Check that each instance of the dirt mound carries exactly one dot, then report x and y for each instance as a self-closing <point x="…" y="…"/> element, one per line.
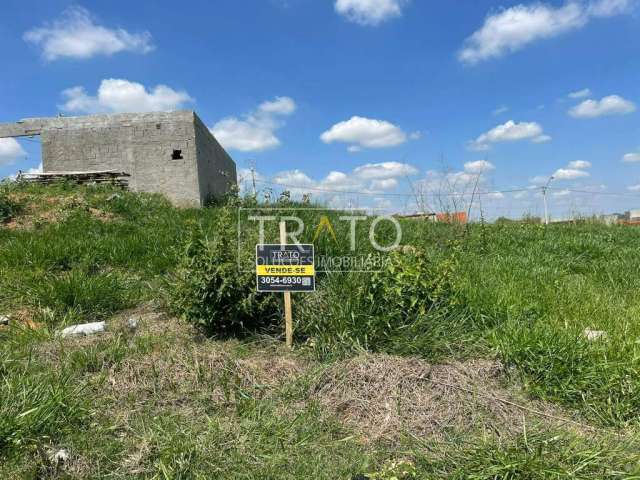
<point x="382" y="396"/>
<point x="49" y="210"/>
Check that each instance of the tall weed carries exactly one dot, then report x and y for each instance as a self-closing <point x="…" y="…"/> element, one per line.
<point x="211" y="291"/>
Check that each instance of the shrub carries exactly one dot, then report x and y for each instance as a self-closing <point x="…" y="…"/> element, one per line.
<point x="8" y="207"/>
<point x="403" y="308"/>
<point x="209" y="288"/>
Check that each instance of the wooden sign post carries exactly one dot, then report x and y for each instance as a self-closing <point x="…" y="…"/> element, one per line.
<point x="285" y="268"/>
<point x="288" y="316"/>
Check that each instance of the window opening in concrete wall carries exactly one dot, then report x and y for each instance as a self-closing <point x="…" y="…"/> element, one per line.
<point x="176" y="155"/>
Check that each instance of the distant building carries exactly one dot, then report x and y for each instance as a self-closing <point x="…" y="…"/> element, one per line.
<point x="611" y="219"/>
<point x="173" y="153"/>
<point x="430" y="217"/>
<point x="633" y="215"/>
<point x="452" y="217"/>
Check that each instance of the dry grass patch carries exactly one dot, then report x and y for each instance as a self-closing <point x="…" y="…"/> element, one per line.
<point x="382" y="396"/>
<point x="187" y="372"/>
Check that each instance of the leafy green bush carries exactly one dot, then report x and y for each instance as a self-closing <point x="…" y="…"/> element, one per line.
<point x="8" y="208"/>
<point x="210" y="290"/>
<point x="404" y="308"/>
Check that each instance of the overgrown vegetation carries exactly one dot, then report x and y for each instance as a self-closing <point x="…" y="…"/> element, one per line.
<point x="8" y="206"/>
<point x="522" y="294"/>
<point x="209" y="290"/>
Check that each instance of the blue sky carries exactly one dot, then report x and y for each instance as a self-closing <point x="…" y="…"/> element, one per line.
<point x="357" y="95"/>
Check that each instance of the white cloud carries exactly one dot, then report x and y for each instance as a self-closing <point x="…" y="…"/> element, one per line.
<point x="634" y="188"/>
<point x="294" y="177"/>
<point x="118" y="95"/>
<point x="539" y="179"/>
<point x="542" y="139"/>
<point x="520" y="195"/>
<point x="362" y="132"/>
<point x="561" y="193"/>
<point x="38" y="169"/>
<point x="611" y="105"/>
<point x="386" y="184"/>
<point x="574" y="170"/>
<point x="510" y="132"/>
<point x="454" y="189"/>
<point x="500" y="110"/>
<point x="479" y="166"/>
<point x="569" y="174"/>
<point x="631" y="157"/>
<point x="512" y="29"/>
<point x="368" y="178"/>
<point x="341" y="181"/>
<point x="579" y="164"/>
<point x="10" y="151"/>
<point x="585" y="92"/>
<point x="447" y="183"/>
<point x="384" y="170"/>
<point x="255" y="131"/>
<point x="609" y="8"/>
<point x="279" y="106"/>
<point x="369" y="12"/>
<point x="32" y="170"/>
<point x="76" y="35"/>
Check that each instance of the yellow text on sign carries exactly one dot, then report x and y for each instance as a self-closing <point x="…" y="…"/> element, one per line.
<point x="286" y="270"/>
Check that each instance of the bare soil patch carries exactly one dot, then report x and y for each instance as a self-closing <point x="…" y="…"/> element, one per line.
<point x="52" y="209"/>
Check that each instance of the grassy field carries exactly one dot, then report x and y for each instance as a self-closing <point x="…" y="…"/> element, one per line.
<point x="464" y="358"/>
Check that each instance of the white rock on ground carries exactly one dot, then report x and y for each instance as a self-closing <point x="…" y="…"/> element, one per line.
<point x="61" y="456"/>
<point x="132" y="323"/>
<point x="594" y="334"/>
<point x="84" y="329"/>
<point x="4" y="320"/>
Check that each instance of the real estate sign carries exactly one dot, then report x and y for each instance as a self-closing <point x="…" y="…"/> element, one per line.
<point x="285" y="268"/>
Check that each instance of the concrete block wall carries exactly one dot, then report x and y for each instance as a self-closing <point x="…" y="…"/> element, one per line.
<point x="142" y="145"/>
<point x="216" y="170"/>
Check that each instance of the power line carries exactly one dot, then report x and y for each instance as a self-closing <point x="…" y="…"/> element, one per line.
<point x="447" y="194"/>
<point x="615" y="194"/>
<point x="383" y="194"/>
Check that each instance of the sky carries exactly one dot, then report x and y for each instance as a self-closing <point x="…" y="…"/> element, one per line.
<point x="409" y="103"/>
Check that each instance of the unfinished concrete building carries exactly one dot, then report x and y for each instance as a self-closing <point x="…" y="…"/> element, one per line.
<point x="172" y="153"/>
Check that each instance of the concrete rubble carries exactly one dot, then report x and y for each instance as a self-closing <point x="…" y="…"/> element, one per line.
<point x="592" y="335"/>
<point x="83" y="329"/>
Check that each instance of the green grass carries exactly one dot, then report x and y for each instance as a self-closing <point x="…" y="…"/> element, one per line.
<point x="523" y="293"/>
<point x="544" y="287"/>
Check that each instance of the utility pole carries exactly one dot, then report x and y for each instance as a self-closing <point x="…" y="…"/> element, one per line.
<point x="544" y="196"/>
<point x="252" y="165"/>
